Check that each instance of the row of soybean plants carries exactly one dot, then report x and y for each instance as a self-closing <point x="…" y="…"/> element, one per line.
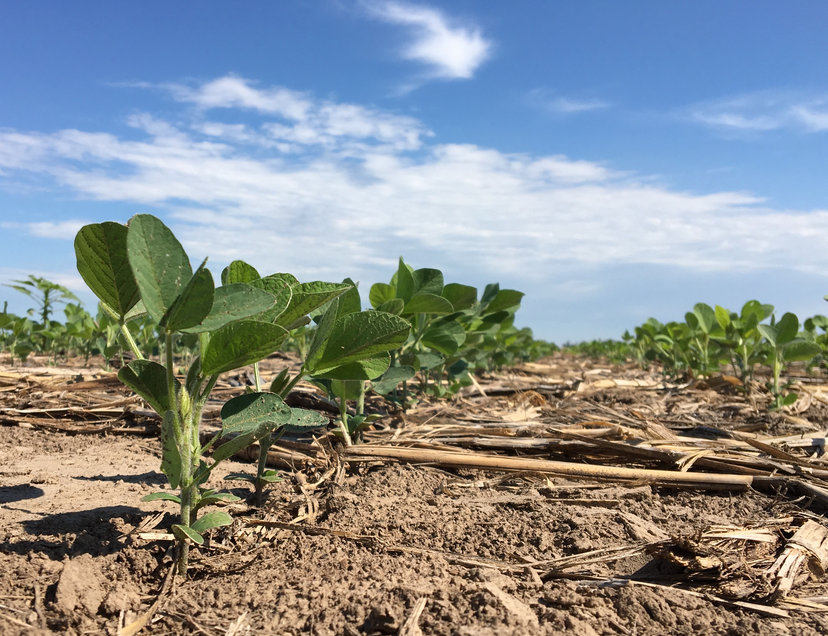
<point x="418" y="329"/>
<point x="711" y="340"/>
<point x="79" y="334"/>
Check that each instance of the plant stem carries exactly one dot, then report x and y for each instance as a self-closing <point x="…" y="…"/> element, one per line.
<point x="343" y="421"/>
<point x="130" y="341"/>
<point x="264" y="446"/>
<point x="257" y="377"/>
<point x="182" y="425"/>
<point x="360" y="406"/>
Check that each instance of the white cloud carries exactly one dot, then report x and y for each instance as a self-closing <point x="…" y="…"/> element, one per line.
<point x="450" y="50"/>
<point x="813" y="119"/>
<point x="48" y="229"/>
<point x="764" y="111"/>
<point x="301" y="119"/>
<point x="347" y="197"/>
<point x="564" y="105"/>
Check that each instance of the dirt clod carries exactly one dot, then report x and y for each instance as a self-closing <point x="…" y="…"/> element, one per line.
<point x="79" y="586"/>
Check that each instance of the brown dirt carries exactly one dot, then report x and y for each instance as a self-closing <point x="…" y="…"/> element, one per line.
<point x="69" y="564"/>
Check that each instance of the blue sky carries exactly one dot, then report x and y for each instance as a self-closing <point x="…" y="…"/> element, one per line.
<point x="614" y="161"/>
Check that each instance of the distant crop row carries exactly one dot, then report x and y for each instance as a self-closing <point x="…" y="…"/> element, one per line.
<point x="716" y="339"/>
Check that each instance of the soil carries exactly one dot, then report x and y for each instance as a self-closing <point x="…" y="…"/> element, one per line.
<point x="379" y="541"/>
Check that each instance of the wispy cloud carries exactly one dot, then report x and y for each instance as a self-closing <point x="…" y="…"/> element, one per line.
<point x="47" y="229"/>
<point x="545" y="100"/>
<point x="293" y="191"/>
<point x="301" y="119"/>
<point x="449" y="49"/>
<point x="763" y="111"/>
<point x="565" y="105"/>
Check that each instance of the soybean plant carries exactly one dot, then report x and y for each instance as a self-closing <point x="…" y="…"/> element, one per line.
<point x="786" y="346"/>
<point x="143" y="270"/>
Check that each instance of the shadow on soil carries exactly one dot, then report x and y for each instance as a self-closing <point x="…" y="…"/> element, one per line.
<point x="22" y="492"/>
<point x="71" y="534"/>
<point x="150" y="478"/>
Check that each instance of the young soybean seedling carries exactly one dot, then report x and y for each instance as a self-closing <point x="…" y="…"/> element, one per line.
<point x="347" y="343"/>
<point x="144" y="270"/>
<point x="785" y="346"/>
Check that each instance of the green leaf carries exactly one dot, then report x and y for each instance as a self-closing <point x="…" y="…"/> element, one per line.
<point x="428" y="281"/>
<point x="769" y="333"/>
<point x="281" y="287"/>
<point x="801" y="351"/>
<point x="406" y="287"/>
<point x="101" y="251"/>
<point x="246" y="413"/>
<point x="497" y="317"/>
<point x="347" y="389"/>
<point x="787" y="328"/>
<point x="789" y="399"/>
<point x="394" y="306"/>
<point x="820" y="321"/>
<point x="183" y="533"/>
<point x="361" y="336"/>
<point x="706" y="316"/>
<point x="149" y="380"/>
<point x="323" y="331"/>
<point x="280" y="382"/>
<point x="240" y="343"/>
<point x="460" y="296"/>
<point x="239" y="272"/>
<point x="211" y="520"/>
<point x="138" y="312"/>
<point x="216" y="498"/>
<point x="722" y="317"/>
<point x="489" y="293"/>
<point x="233" y="302"/>
<point x="392" y="378"/>
<point x="240" y="477"/>
<point x="170" y="455"/>
<point x="422" y="303"/>
<point x="359" y="369"/>
<point x="429" y="360"/>
<point x="445" y="337"/>
<point x="381" y="293"/>
<point x="302" y="420"/>
<point x="159" y="263"/>
<point x="193" y="303"/>
<point x="505" y="299"/>
<point x="270" y="476"/>
<point x="307" y="297"/>
<point x="237" y="443"/>
<point x="349" y="302"/>
<point x="162" y="496"/>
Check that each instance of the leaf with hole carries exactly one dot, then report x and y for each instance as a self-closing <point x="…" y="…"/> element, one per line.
<point x="245" y="413"/>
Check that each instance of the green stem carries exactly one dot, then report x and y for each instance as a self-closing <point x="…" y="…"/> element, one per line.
<point x="343" y="421"/>
<point x="360" y="406"/>
<point x="258" y="377"/>
<point x="130" y="341"/>
<point x="183" y="437"/>
<point x="264" y="446"/>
